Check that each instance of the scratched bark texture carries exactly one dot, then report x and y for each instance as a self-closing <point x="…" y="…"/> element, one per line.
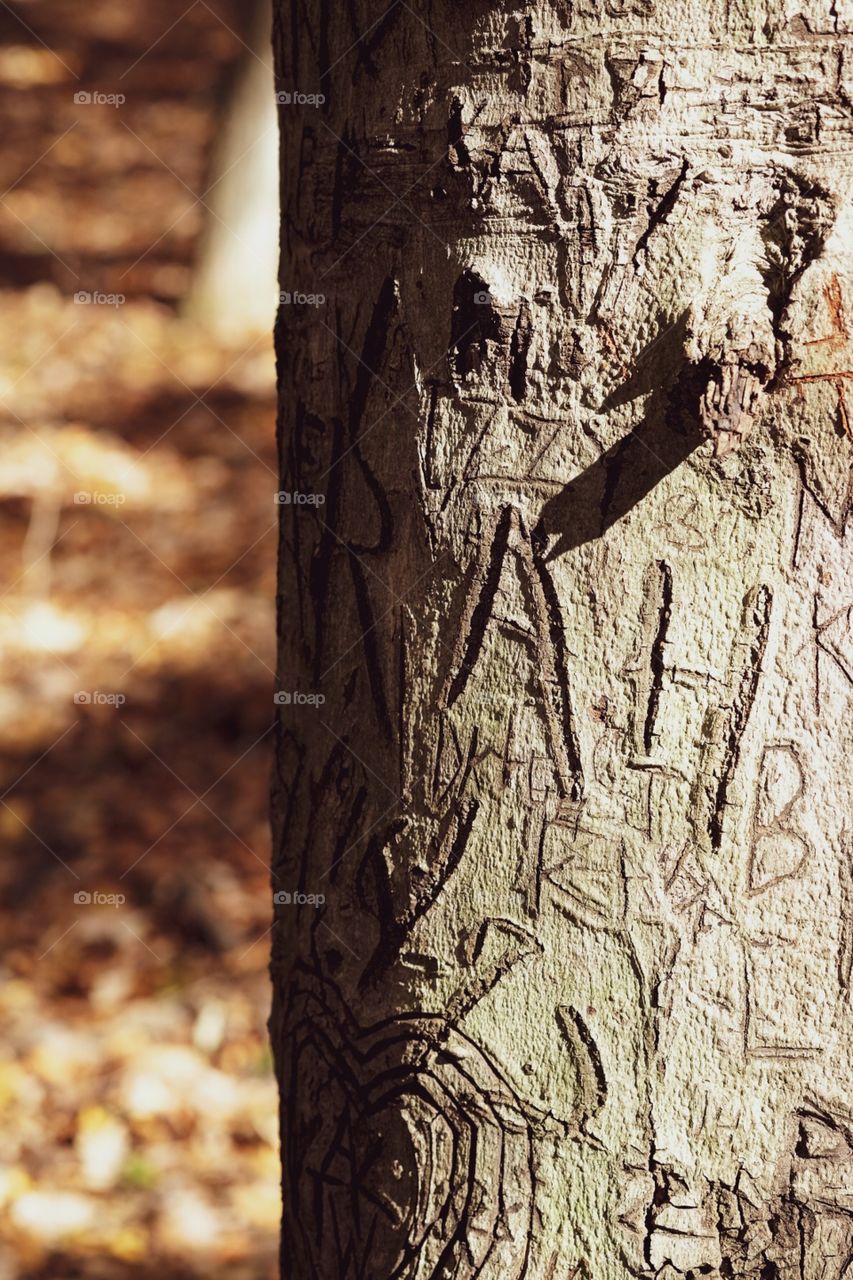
<point x="579" y="601"/>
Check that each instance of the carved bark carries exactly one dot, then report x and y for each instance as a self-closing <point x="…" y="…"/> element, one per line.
<point x="565" y="454"/>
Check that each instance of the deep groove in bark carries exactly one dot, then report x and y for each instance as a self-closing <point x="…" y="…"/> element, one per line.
<point x="657" y="654"/>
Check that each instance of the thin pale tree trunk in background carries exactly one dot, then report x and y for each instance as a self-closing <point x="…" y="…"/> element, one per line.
<point x="233" y="288"/>
<point x="566" y="653"/>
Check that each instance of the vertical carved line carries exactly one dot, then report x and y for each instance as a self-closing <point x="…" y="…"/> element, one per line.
<point x="757" y="611"/>
<point x="657" y="658"/>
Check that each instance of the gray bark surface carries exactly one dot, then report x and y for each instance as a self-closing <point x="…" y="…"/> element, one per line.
<point x="566" y="642"/>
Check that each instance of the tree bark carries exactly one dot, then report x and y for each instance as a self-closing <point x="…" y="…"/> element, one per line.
<point x="562" y="805"/>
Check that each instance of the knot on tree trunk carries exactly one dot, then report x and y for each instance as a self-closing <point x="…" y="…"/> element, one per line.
<point x="730" y="340"/>
<point x="728" y="404"/>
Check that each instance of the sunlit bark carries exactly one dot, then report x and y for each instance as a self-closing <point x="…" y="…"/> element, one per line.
<point x="565" y="453"/>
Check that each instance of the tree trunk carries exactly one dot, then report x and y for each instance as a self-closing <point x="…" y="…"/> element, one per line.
<point x="233" y="288"/>
<point x="566" y="656"/>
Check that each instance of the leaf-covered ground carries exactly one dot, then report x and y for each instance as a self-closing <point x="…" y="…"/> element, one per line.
<point x="137" y="1109"/>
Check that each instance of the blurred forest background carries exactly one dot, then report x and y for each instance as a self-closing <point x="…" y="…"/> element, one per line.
<point x="137" y="1109"/>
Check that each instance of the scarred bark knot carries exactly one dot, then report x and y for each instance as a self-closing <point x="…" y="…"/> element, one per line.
<point x="729" y="403"/>
<point x="732" y="344"/>
<point x="758" y="241"/>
